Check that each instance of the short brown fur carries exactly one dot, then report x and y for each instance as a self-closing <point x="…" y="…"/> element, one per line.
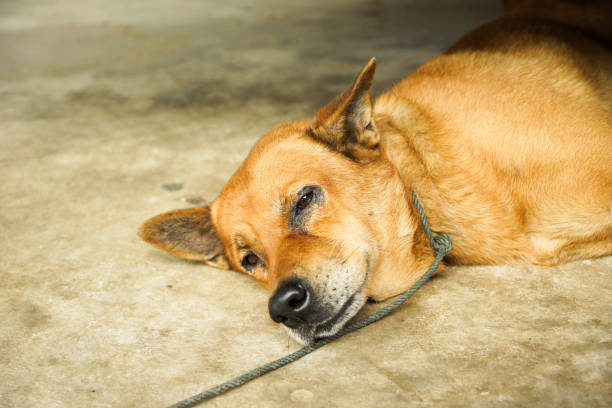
<point x="506" y="139"/>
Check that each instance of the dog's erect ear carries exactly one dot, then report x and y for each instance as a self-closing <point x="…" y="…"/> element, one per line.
<point x="188" y="234"/>
<point x="346" y="125"/>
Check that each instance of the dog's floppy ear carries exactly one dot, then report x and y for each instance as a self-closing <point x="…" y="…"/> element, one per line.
<point x="345" y="124"/>
<point x="188" y="234"/>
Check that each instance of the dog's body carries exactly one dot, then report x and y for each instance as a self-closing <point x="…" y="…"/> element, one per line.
<point x="506" y="139"/>
<point x="512" y="148"/>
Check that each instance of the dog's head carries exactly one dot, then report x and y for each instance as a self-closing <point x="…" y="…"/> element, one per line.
<point x="316" y="214"/>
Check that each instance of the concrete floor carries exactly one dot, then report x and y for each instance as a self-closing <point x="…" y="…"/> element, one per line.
<point x="114" y="111"/>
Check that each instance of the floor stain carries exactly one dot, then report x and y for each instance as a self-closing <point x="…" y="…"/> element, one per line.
<point x="195" y="200"/>
<point x="172" y="186"/>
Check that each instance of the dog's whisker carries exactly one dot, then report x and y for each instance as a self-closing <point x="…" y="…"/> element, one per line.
<point x="335" y="249"/>
<point x="350" y="254"/>
<point x="332" y="249"/>
<point x="341" y="249"/>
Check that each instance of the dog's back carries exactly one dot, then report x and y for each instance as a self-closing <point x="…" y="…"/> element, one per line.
<point x="515" y="138"/>
<point x="590" y="16"/>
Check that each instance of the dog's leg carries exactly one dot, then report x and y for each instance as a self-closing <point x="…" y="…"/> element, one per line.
<point x="583" y="250"/>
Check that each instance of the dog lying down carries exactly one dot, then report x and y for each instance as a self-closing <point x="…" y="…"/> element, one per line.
<point x="506" y="139"/>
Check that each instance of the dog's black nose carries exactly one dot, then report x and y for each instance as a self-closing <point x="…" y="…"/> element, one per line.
<point x="291" y="302"/>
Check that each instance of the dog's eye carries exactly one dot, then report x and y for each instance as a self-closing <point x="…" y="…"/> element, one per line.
<point x="308" y="196"/>
<point x="304" y="201"/>
<point x="250" y="261"/>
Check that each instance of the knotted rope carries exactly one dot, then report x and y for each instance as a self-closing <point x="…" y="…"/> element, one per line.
<point x="441" y="244"/>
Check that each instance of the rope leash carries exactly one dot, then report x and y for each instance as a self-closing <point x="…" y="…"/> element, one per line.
<point x="441" y="244"/>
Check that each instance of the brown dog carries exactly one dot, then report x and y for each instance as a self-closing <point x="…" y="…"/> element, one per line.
<point x="506" y="139"/>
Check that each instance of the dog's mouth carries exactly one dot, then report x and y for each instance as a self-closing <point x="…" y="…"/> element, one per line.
<point x="308" y="334"/>
<point x="346" y="313"/>
<point x="334" y="303"/>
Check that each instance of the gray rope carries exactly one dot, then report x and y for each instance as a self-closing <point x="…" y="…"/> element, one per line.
<point x="441" y="244"/>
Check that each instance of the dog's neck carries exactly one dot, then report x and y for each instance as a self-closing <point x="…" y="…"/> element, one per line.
<point x="404" y="236"/>
<point x="407" y="143"/>
<point x="415" y="143"/>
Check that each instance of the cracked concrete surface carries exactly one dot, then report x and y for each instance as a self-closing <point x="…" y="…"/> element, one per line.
<point x="114" y="111"/>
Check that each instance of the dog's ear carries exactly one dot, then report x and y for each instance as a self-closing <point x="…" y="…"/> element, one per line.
<point x="188" y="234"/>
<point x="345" y="124"/>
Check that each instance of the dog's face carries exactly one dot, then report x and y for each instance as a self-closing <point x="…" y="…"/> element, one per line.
<point x="315" y="214"/>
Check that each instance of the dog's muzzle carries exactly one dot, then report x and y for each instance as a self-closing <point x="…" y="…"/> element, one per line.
<point x="295" y="304"/>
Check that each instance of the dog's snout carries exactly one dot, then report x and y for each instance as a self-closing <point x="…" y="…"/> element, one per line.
<point x="291" y="302"/>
